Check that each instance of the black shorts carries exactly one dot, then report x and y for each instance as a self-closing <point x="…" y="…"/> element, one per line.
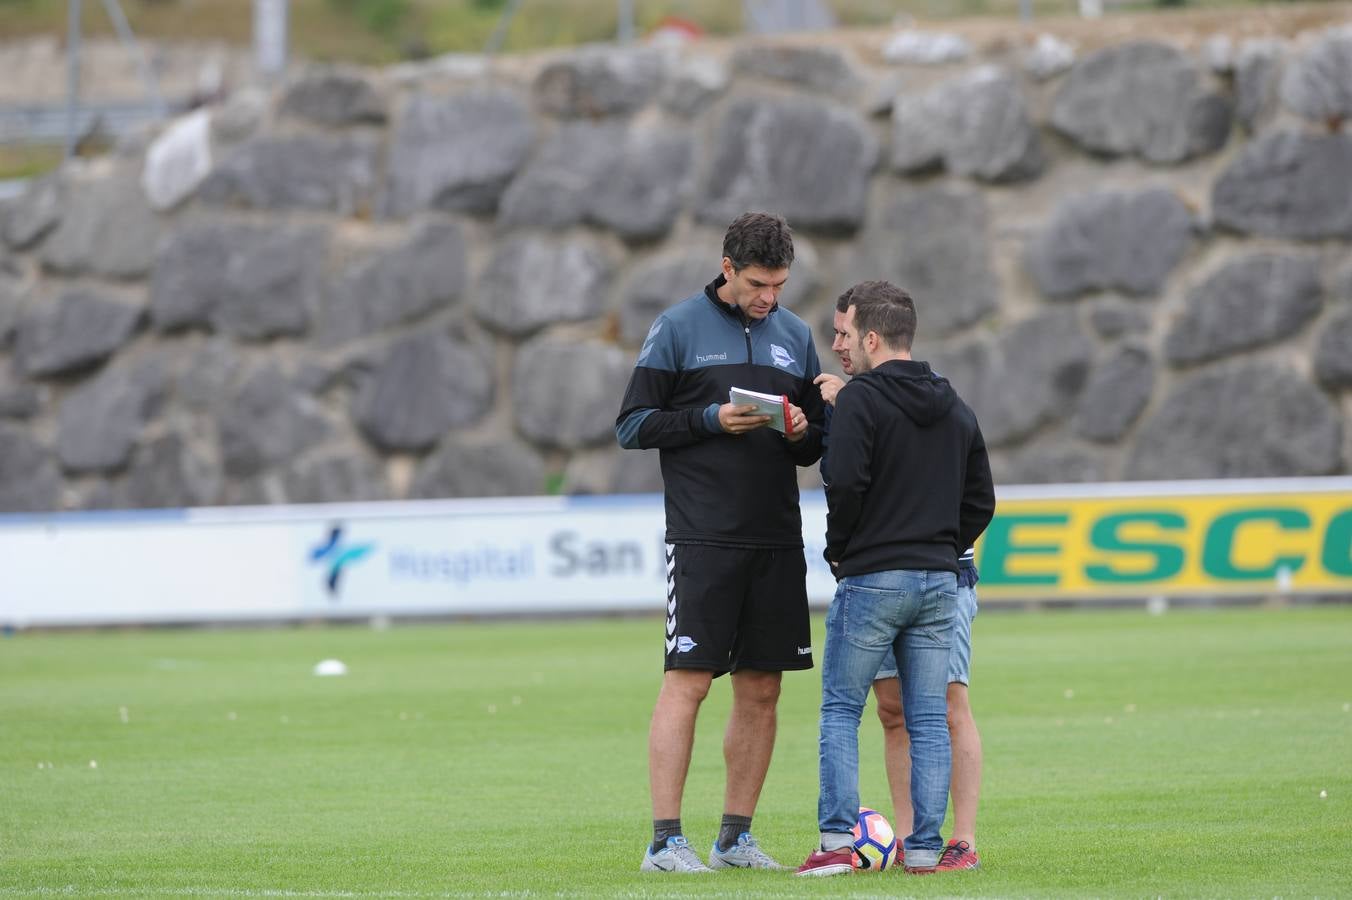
<point x="730" y="608"/>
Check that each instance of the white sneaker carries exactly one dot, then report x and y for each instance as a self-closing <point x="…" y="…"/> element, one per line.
<point x="745" y="854"/>
<point x="676" y="856"/>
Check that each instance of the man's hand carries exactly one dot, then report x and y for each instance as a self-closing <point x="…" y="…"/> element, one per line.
<point x="797" y="424"/>
<point x="830" y="385"/>
<point x="740" y="418"/>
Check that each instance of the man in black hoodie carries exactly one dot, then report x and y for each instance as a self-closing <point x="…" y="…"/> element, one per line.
<point x="908" y="490"/>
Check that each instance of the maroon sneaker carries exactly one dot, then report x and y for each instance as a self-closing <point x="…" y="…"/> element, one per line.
<point x="828" y="862"/>
<point x="958" y="855"/>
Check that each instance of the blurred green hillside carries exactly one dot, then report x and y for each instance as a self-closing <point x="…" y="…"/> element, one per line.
<point x="383" y="31"/>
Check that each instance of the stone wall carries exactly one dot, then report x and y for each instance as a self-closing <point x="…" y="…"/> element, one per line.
<point x="1135" y="261"/>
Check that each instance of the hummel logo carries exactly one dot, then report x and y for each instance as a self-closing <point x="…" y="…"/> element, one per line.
<point x="804" y="651"/>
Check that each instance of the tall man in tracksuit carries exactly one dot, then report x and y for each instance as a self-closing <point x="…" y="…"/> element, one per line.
<point x="736" y="576"/>
<point x="908" y="488"/>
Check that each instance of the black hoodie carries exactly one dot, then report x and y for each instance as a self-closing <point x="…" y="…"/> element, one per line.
<point x="908" y="482"/>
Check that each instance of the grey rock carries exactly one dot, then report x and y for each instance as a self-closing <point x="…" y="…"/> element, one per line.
<point x="1251" y="301"/>
<point x="177" y="161"/>
<point x="212" y="368"/>
<point x="106" y="228"/>
<point x="268" y="421"/>
<point x="240" y="117"/>
<point x="1112" y="319"/>
<point x="1318" y="83"/>
<point x="35" y="213"/>
<point x="918" y="137"/>
<point x="1110" y="241"/>
<point x="252" y="281"/>
<point x="324" y="173"/>
<point x="81" y="328"/>
<point x="335" y="97"/>
<point x="642" y="195"/>
<point x="1239" y="420"/>
<point x="934" y="242"/>
<point x="100" y="421"/>
<point x="1118" y="390"/>
<point x="533" y="281"/>
<point x="1138" y="98"/>
<point x="824" y="69"/>
<point x="1288" y="184"/>
<point x="464" y="468"/>
<point x="668" y="279"/>
<point x="590" y="472"/>
<point x="556" y="188"/>
<point x="1030" y="378"/>
<point x="426" y="272"/>
<point x="1258" y="73"/>
<point x="599" y="82"/>
<point x="565" y="392"/>
<point x="1210" y="119"/>
<point x="1049" y="462"/>
<point x="29" y="481"/>
<point x="168" y="472"/>
<point x="1333" y="356"/>
<point x="22" y="401"/>
<point x="881" y="94"/>
<point x="334" y="478"/>
<point x="1048" y="57"/>
<point x="458" y="152"/>
<point x="425" y="385"/>
<point x="977" y="124"/>
<point x="695" y="82"/>
<point x="638" y="472"/>
<point x="926" y="48"/>
<point x="806" y="159"/>
<point x="1218" y="53"/>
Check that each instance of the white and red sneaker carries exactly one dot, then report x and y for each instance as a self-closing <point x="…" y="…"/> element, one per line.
<point x="828" y="862"/>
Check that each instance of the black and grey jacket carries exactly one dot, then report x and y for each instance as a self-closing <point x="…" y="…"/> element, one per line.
<point x="721" y="489"/>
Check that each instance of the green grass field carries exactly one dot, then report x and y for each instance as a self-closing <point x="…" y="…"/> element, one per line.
<point x="1127" y="755"/>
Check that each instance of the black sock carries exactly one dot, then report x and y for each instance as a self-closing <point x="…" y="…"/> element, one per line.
<point x="663" y="829"/>
<point x="731" y="830"/>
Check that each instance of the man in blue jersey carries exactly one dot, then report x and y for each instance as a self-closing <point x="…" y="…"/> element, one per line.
<point x="736" y="575"/>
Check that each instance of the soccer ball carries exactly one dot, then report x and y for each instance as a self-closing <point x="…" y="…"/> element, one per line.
<point x="875" y="845"/>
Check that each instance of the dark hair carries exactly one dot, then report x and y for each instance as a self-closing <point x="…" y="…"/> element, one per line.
<point x="758" y="239"/>
<point x="881" y="307"/>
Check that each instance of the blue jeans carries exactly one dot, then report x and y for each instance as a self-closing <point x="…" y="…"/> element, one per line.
<point x="911" y="613"/>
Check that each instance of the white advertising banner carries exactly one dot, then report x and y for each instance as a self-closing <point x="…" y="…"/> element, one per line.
<point x="475" y="557"/>
<point x="1254" y="537"/>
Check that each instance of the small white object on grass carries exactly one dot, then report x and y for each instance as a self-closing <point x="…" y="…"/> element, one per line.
<point x="1347" y="707"/>
<point x="93" y="764"/>
<point x="1323" y="795"/>
<point x="122" y="714"/>
<point x="1157" y="606"/>
<point x="1069" y="693"/>
<point x="327" y="667"/>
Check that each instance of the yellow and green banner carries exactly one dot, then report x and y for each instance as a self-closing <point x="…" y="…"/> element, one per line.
<point x="1253" y="537"/>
